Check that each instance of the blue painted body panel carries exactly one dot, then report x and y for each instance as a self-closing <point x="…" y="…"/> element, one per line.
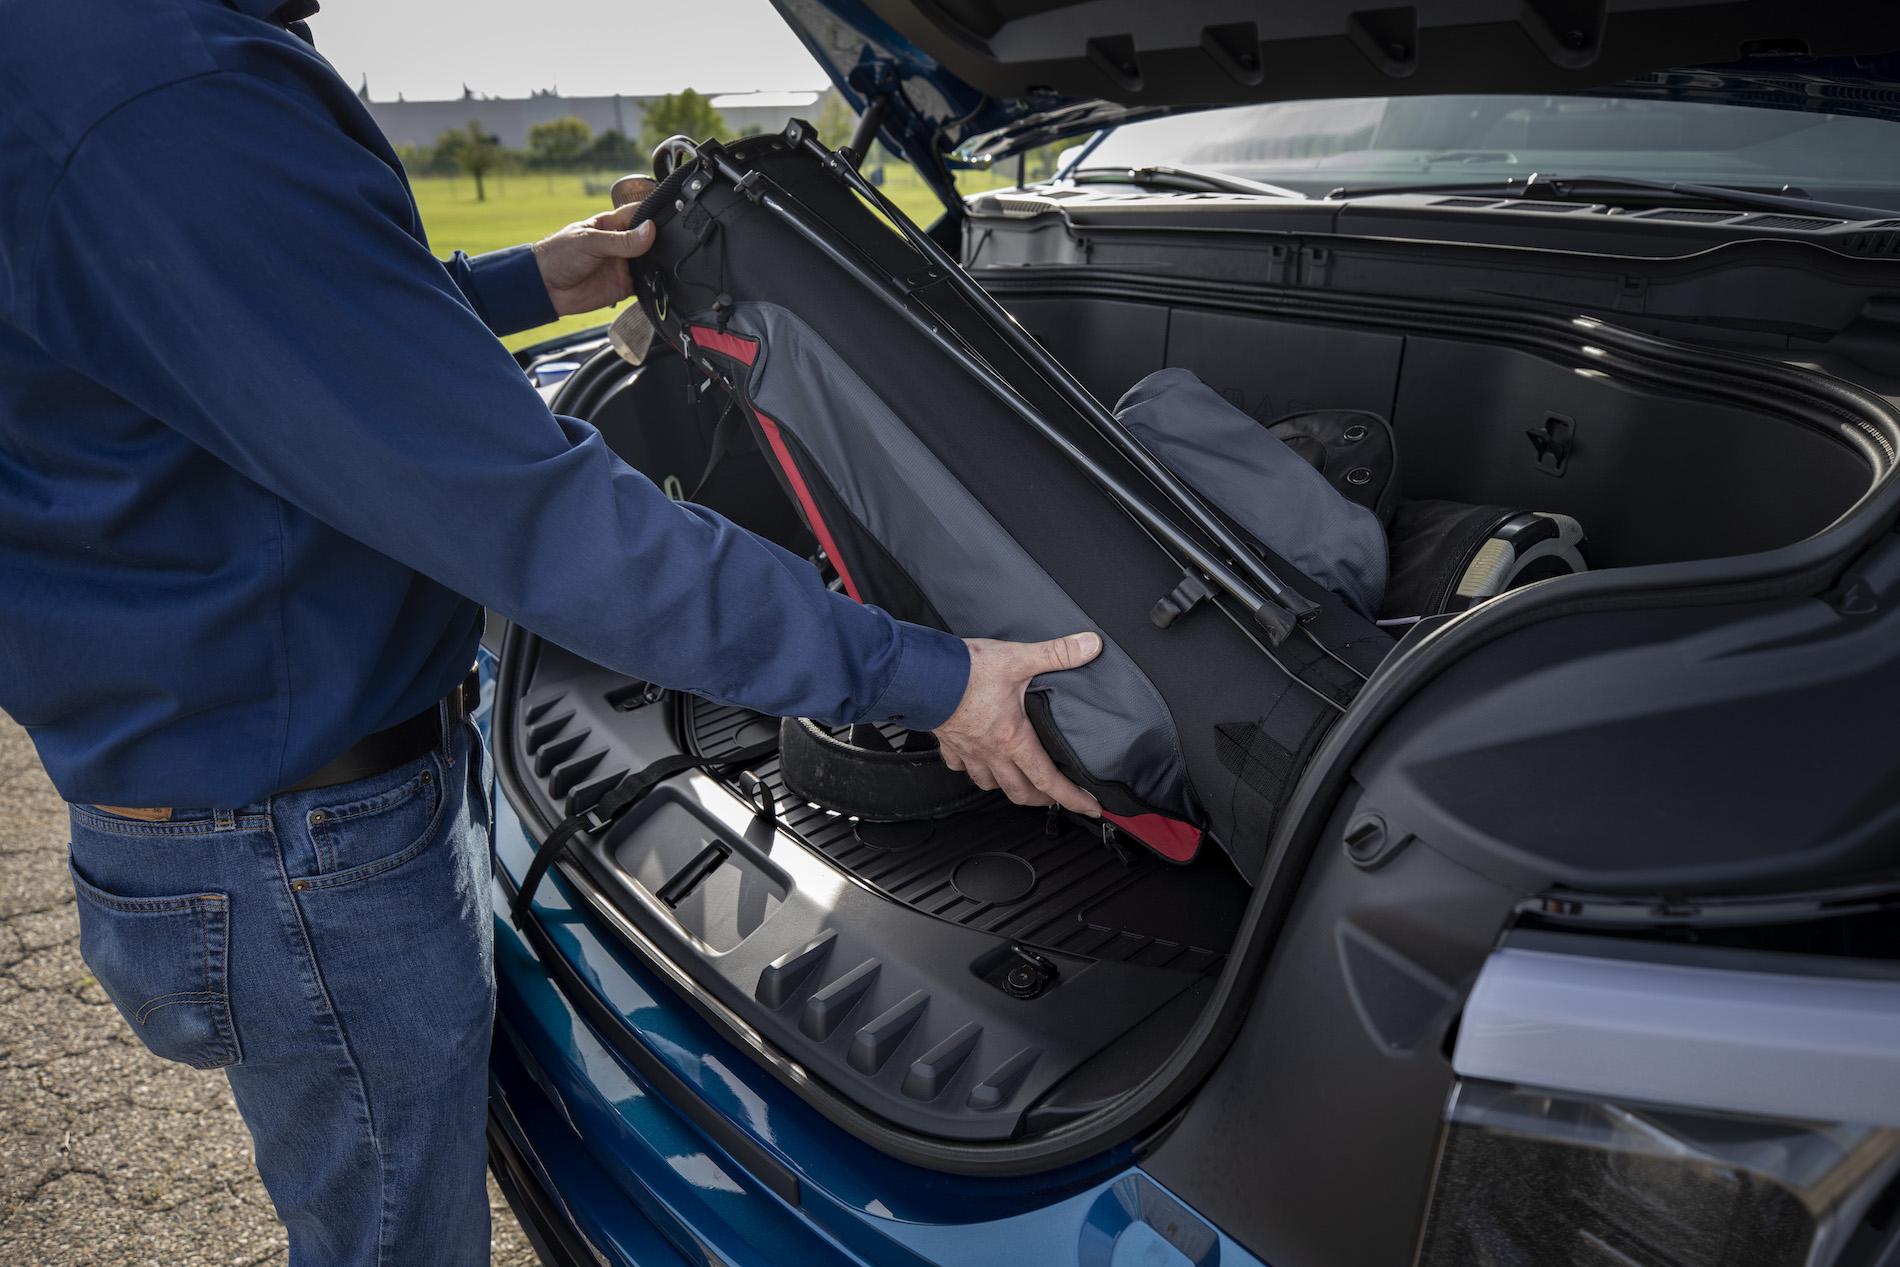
<point x="644" y="1185"/>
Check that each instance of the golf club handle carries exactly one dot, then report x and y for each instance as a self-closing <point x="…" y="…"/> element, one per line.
<point x="628" y="189"/>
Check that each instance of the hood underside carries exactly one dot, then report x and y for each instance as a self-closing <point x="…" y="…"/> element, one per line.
<point x="975" y="80"/>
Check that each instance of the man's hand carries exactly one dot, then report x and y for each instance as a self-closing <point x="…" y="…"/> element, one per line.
<point x="989" y="737"/>
<point x="584" y="266"/>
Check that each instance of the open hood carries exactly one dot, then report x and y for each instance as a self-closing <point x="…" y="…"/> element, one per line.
<point x="966" y="81"/>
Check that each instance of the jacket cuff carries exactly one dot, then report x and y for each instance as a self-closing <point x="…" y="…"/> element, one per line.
<point x="508" y="290"/>
<point x="933" y="667"/>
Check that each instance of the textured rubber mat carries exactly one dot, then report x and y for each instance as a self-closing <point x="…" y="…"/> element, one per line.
<point x="1015" y="872"/>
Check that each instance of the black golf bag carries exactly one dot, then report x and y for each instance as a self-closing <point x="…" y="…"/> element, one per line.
<point x="956" y="476"/>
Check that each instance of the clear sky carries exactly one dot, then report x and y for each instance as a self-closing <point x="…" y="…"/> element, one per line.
<point x="508" y="48"/>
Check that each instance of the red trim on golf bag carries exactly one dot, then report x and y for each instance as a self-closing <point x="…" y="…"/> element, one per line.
<point x="800" y="490"/>
<point x="746" y="351"/>
<point x="1170" y="837"/>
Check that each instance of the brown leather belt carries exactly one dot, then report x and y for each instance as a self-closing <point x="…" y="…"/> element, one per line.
<point x="399" y="744"/>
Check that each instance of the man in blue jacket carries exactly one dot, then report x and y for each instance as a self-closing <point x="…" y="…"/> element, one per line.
<point x="262" y="462"/>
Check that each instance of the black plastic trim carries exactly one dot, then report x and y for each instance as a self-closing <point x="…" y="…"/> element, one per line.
<point x="1441" y="225"/>
<point x="1577" y="909"/>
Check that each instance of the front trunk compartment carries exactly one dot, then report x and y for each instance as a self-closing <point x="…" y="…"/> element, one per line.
<point x="876" y="956"/>
<point x="1666" y="462"/>
<point x="865" y="964"/>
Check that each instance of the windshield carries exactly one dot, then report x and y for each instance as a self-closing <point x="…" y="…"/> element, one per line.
<point x="1315" y="146"/>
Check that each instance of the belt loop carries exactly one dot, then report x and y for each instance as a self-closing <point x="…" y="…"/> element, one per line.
<point x="445" y="719"/>
<point x="223" y="820"/>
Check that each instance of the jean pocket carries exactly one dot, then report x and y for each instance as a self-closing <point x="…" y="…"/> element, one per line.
<point x="371" y="828"/>
<point x="163" y="961"/>
<point x="366" y="828"/>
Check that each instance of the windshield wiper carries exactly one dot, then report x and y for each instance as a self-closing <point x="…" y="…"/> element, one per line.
<point x="1582" y="189"/>
<point x="1186" y="179"/>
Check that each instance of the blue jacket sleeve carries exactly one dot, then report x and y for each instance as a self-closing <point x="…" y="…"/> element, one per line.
<point x="261" y="294"/>
<point x="504" y="288"/>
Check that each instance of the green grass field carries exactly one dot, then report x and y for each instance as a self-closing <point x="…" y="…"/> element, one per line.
<point x="523" y="206"/>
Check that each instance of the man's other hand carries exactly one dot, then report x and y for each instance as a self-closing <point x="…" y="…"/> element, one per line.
<point x="584" y="266"/>
<point x="989" y="737"/>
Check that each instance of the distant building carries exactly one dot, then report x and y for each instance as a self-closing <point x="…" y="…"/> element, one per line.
<point x="509" y="118"/>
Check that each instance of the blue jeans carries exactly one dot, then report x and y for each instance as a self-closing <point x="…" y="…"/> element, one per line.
<point x="333" y="952"/>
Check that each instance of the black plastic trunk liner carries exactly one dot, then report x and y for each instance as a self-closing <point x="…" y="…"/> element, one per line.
<point x="894" y="990"/>
<point x="1010" y="871"/>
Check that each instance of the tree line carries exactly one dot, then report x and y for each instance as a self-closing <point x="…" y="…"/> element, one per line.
<point x="569" y="145"/>
<point x="563" y="145"/>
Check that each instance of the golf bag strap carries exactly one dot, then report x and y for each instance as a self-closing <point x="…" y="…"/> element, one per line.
<point x="727" y="434"/>
<point x="616" y="801"/>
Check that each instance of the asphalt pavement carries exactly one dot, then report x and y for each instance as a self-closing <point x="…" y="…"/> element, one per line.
<point x="109" y="1155"/>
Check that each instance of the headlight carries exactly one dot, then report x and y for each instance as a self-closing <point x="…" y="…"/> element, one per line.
<point x="1526" y="1177"/>
<point x="1630" y="1104"/>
